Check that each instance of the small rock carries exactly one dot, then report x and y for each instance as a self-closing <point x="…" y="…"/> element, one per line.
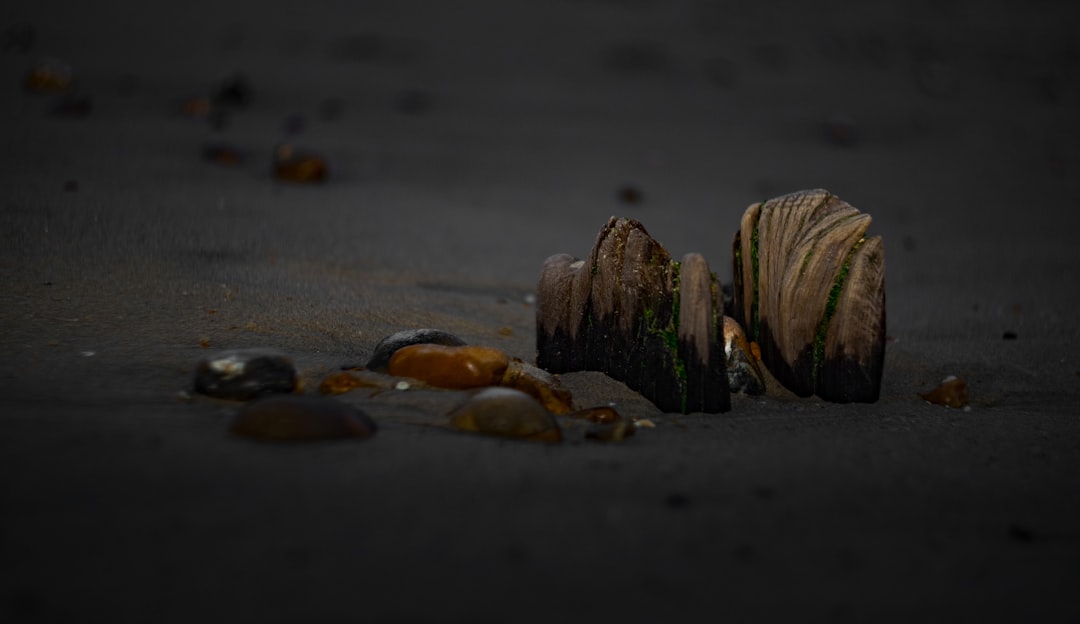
<point x="630" y="195"/>
<point x="743" y="372"/>
<point x="951" y="393"/>
<point x="198" y="107"/>
<point x="450" y="367"/>
<point x="841" y="131"/>
<point x="49" y="76"/>
<point x="610" y="431"/>
<point x="223" y="154"/>
<point x="677" y="500"/>
<point x="339" y="383"/>
<point x="244" y="374"/>
<point x="602" y="414"/>
<point x="540" y="384"/>
<point x="234" y="92"/>
<point x="344" y="381"/>
<point x="296" y="417"/>
<point x="293" y="165"/>
<point x="508" y="413"/>
<point x="388" y="346"/>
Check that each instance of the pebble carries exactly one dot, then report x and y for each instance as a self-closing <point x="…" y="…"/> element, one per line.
<point x="458" y="367"/>
<point x="602" y="414"/>
<point x="344" y="381"/>
<point x="198" y="107"/>
<point x="743" y="372"/>
<point x="841" y="131"/>
<point x="293" y="165"/>
<point x="540" y="384"/>
<point x="49" y="76"/>
<point x="235" y="92"/>
<point x="630" y="195"/>
<point x="951" y="393"/>
<point x="243" y="374"/>
<point x="389" y="345"/>
<point x="297" y="417"/>
<point x="339" y="383"/>
<point x="508" y="413"/>
<point x="610" y="431"/>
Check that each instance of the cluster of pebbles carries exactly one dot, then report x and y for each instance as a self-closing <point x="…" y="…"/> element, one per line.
<point x="505" y="396"/>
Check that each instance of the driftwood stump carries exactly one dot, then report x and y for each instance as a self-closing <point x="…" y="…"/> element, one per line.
<point x="809" y="287"/>
<point x="632" y="312"/>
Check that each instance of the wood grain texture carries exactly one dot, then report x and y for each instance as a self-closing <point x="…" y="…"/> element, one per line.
<point x="632" y="312"/>
<point x="810" y="289"/>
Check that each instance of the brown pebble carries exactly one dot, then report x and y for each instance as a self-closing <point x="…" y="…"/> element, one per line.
<point x="388" y="346"/>
<point x="338" y="383"/>
<point x="450" y="367"/>
<point x="540" y="384"/>
<point x="49" y="76"/>
<point x="243" y="374"/>
<point x="344" y="381"/>
<point x="508" y="413"/>
<point x="196" y="107"/>
<point x="296" y="418"/>
<point x="601" y="414"/>
<point x="292" y="165"/>
<point x="630" y="195"/>
<point x="951" y="393"/>
<point x="610" y="431"/>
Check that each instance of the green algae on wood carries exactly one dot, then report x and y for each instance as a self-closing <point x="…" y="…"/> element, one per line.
<point x="631" y="311"/>
<point x="813" y="296"/>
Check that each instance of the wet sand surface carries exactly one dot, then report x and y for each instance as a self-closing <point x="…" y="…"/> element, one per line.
<point x="466" y="143"/>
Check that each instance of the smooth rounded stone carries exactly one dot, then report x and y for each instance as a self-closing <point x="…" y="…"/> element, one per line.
<point x="49" y="76"/>
<point x="610" y="431"/>
<point x="298" y="418"/>
<point x="952" y="392"/>
<point x="235" y="92"/>
<point x="458" y="368"/>
<point x="386" y="348"/>
<point x="508" y="413"/>
<point x="600" y="415"/>
<point x="243" y="374"/>
<point x="293" y="165"/>
<point x="540" y="384"/>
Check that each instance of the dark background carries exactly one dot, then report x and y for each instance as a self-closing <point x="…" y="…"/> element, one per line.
<point x="466" y="142"/>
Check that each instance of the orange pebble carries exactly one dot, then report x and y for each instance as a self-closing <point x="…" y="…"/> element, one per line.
<point x="603" y="414"/>
<point x="450" y="367"/>
<point x="952" y="392"/>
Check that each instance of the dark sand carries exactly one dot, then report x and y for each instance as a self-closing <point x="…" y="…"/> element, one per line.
<point x="121" y="502"/>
